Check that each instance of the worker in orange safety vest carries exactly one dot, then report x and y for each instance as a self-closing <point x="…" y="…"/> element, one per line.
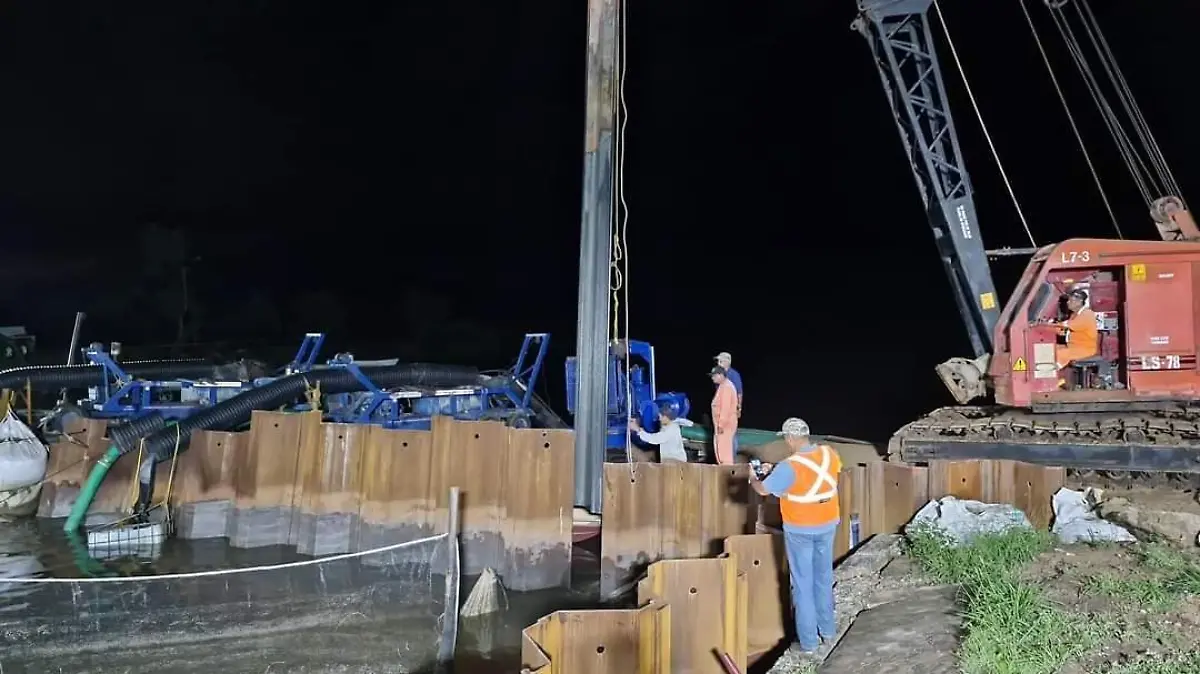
<point x="806" y="484"/>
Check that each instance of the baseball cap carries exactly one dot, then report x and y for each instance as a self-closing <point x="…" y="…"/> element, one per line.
<point x="717" y="369"/>
<point x="723" y="354"/>
<point x="794" y="426"/>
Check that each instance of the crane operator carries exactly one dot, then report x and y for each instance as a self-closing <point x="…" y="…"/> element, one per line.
<point x="1083" y="336"/>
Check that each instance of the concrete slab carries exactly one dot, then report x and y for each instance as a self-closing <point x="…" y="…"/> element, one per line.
<point x="914" y="633"/>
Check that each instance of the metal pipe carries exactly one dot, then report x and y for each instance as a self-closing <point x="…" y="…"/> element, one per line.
<point x="73" y="351"/>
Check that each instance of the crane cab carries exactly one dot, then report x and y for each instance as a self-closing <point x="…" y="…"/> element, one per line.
<point x="1146" y="298"/>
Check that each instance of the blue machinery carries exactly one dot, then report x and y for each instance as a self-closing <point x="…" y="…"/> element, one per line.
<point x="508" y="396"/>
<point x="636" y="395"/>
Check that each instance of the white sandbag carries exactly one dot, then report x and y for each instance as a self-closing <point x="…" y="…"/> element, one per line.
<point x="22" y="455"/>
<point x="1075" y="521"/>
<point x="963" y="520"/>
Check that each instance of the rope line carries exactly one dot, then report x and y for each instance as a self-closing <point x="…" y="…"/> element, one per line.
<point x="979" y="116"/>
<point x="222" y="572"/>
<point x="624" y="212"/>
<point x="1087" y="157"/>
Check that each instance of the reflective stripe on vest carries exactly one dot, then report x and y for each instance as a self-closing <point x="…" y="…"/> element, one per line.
<point x="823" y="477"/>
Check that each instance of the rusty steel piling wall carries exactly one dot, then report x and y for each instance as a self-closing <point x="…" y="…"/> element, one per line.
<point x="332" y="488"/>
<point x="735" y="599"/>
<point x="656" y="511"/>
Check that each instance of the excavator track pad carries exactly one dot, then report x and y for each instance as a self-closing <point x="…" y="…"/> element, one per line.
<point x="1156" y="446"/>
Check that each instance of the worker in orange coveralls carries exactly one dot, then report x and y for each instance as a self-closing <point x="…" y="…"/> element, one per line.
<point x="1083" y="337"/>
<point x="724" y="416"/>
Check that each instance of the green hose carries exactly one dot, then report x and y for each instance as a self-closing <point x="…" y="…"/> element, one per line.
<point x="746" y="437"/>
<point x="88" y="493"/>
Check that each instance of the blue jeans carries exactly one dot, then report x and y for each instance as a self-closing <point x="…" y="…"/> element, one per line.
<point x="810" y="560"/>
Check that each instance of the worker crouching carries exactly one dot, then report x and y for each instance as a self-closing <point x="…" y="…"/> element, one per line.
<point x="806" y="484"/>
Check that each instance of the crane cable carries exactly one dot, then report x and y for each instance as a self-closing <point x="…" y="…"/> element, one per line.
<point x="979" y="116"/>
<point x="1087" y="157"/>
<point x="619" y="278"/>
<point x="1123" y="86"/>
<point x="1157" y="177"/>
<point x="1133" y="161"/>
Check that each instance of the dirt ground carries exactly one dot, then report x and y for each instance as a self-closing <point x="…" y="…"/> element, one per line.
<point x="1139" y="610"/>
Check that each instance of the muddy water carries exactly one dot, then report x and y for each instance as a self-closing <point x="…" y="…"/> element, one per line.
<point x="341" y="616"/>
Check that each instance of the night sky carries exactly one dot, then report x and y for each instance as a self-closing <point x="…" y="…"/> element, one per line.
<point x="406" y="176"/>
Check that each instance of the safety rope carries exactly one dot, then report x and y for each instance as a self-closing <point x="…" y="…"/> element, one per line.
<point x="166" y="501"/>
<point x="619" y="277"/>
<point x="979" y="116"/>
<point x="624" y="119"/>
<point x="1087" y="157"/>
<point x="133" y="485"/>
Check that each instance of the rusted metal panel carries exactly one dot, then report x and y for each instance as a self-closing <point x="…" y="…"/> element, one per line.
<point x="265" y="479"/>
<point x="635" y="641"/>
<point x="960" y="479"/>
<point x="395" y="506"/>
<point x="1034" y="488"/>
<point x="854" y="502"/>
<point x="897" y="492"/>
<point x="762" y="559"/>
<point x="660" y="511"/>
<point x="204" y="490"/>
<point x="1026" y="486"/>
<point x="709" y="600"/>
<point x="537" y="519"/>
<point x="329" y="505"/>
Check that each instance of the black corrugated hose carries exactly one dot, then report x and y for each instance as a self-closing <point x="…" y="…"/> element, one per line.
<point x="55" y="377"/>
<point x="236" y="411"/>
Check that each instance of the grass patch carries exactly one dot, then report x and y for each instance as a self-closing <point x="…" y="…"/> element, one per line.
<point x="1165" y="576"/>
<point x="1185" y="663"/>
<point x="1011" y="626"/>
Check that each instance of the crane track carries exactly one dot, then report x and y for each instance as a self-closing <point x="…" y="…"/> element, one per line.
<point x="1175" y="431"/>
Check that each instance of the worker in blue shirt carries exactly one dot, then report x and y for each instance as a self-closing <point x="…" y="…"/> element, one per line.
<point x="725" y="360"/>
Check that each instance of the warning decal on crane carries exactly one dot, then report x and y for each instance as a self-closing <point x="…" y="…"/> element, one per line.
<point x="1020" y="365"/>
<point x="1137" y="272"/>
<point x="987" y="301"/>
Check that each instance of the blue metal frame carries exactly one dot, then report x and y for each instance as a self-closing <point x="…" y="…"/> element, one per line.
<point x="634" y="397"/>
<point x="306" y="355"/>
<point x="123" y="397"/>
<point x="506" y="397"/>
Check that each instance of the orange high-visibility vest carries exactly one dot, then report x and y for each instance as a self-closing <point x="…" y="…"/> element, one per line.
<point x="812" y="500"/>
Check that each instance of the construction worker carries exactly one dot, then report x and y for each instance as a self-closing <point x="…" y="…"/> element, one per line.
<point x="724" y="416"/>
<point x="669" y="437"/>
<point x="806" y="485"/>
<point x="724" y="360"/>
<point x="1081" y="330"/>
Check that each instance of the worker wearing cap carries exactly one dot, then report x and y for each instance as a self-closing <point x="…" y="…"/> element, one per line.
<point x="724" y="416"/>
<point x="725" y="361"/>
<point x="1083" y="335"/>
<point x="806" y="485"/>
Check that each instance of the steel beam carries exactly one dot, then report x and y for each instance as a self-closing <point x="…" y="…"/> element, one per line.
<point x="902" y="43"/>
<point x="595" y="239"/>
